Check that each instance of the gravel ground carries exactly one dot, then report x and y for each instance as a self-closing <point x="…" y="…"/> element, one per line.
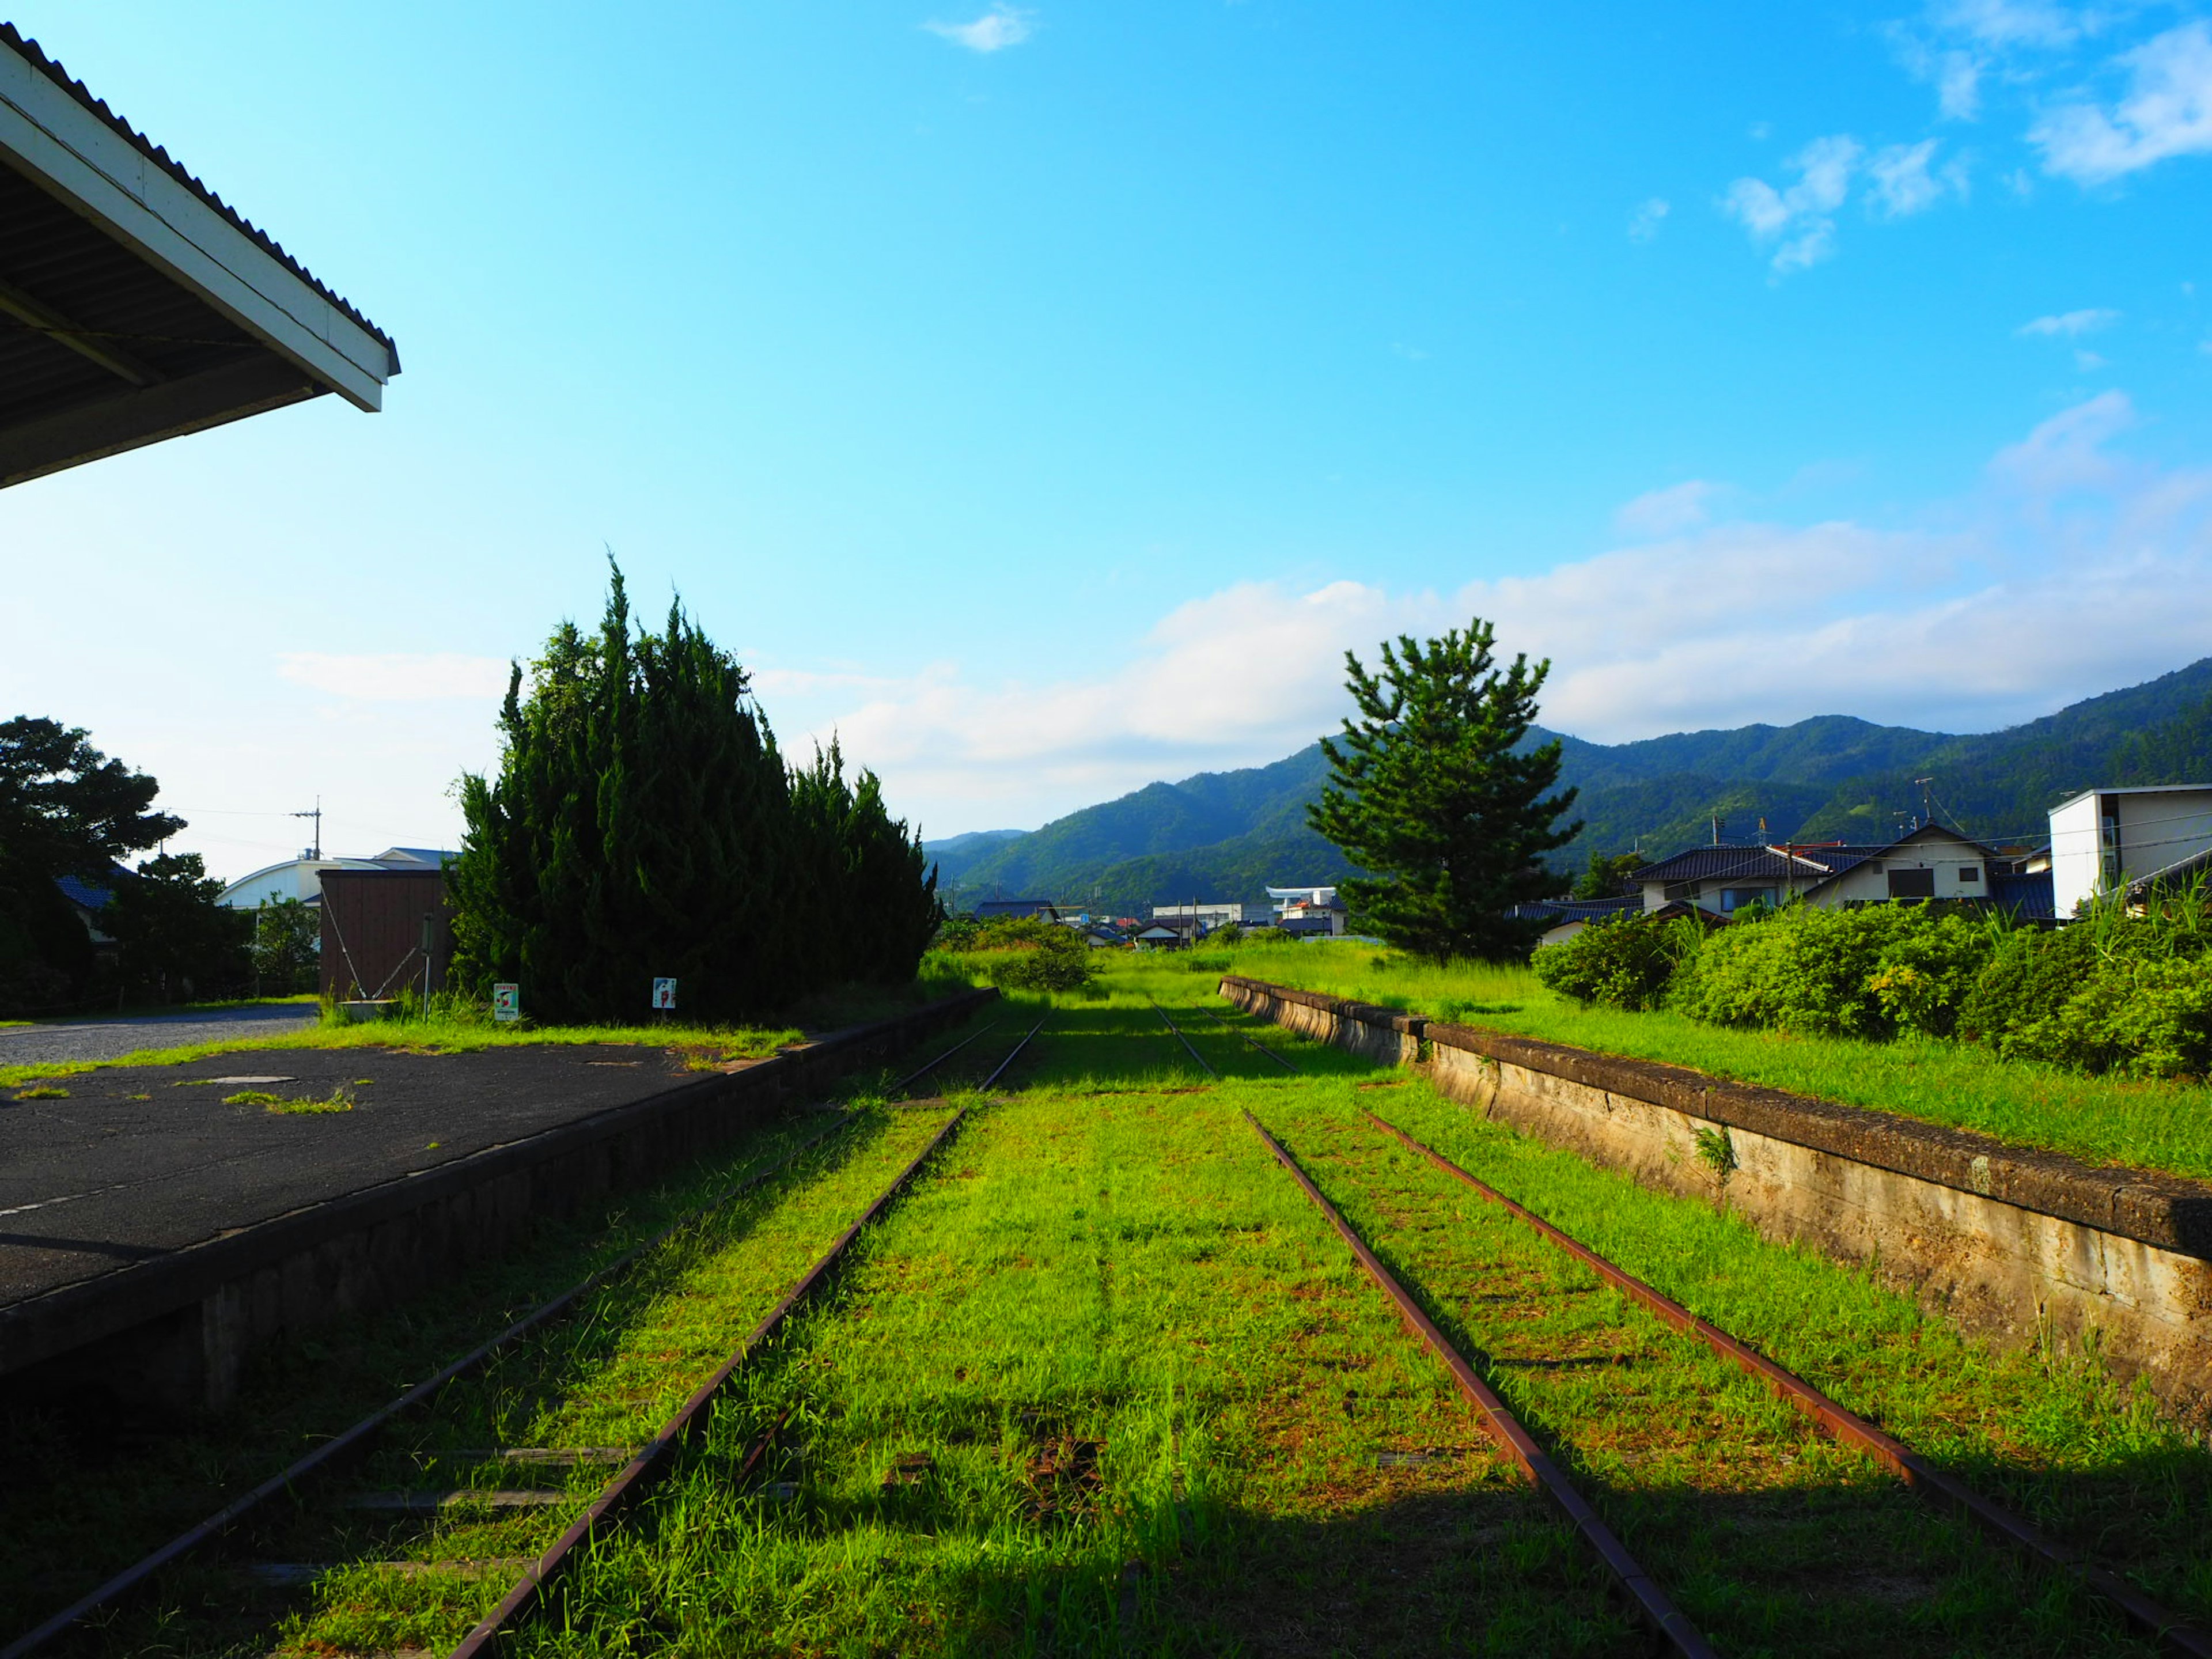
<point x="110" y="1039"/>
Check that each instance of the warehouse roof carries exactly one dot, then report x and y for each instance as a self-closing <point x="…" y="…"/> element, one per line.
<point x="135" y="303"/>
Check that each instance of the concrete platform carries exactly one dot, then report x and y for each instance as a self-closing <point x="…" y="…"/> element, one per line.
<point x="152" y="1235"/>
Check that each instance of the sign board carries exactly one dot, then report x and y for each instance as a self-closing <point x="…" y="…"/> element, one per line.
<point x="664" y="993"/>
<point x="506" y="1002"/>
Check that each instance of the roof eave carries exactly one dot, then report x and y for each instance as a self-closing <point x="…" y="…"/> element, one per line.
<point x="55" y="137"/>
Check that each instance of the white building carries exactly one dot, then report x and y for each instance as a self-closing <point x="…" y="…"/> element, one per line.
<point x="301" y="878"/>
<point x="1209" y="916"/>
<point x="2104" y="840"/>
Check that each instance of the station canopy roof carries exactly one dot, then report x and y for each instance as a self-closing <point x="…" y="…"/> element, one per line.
<point x="135" y="304"/>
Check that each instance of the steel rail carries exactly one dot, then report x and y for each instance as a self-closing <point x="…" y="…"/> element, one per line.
<point x="653" y="1460"/>
<point x="999" y="1070"/>
<point x="356" y="1438"/>
<point x="1248" y="1042"/>
<point x="1893" y="1454"/>
<point x="1498" y="1421"/>
<point x="921" y="1072"/>
<point x="1181" y="1038"/>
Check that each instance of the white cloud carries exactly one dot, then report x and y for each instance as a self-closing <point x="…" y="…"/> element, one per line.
<point x="2032" y="597"/>
<point x="2008" y="24"/>
<point x="1644" y="224"/>
<point x="2087" y="361"/>
<point x="2069" y="323"/>
<point x="1902" y="184"/>
<point x="1667" y="512"/>
<point x="1798" y="217"/>
<point x="395" y="679"/>
<point x="2166" y="111"/>
<point x="995" y="30"/>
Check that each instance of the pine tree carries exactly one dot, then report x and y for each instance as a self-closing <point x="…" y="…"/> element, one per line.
<point x="1430" y="790"/>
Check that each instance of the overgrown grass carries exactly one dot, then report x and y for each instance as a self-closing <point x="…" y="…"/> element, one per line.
<point x="1106" y="1384"/>
<point x="2155" y="1125"/>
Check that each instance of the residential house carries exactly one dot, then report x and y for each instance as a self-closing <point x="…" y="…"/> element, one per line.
<point x="1931" y="862"/>
<point x="1159" y="938"/>
<point x="2103" y="840"/>
<point x="1565" y="918"/>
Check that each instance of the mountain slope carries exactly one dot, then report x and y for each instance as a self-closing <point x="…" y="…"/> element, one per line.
<point x="1231" y="834"/>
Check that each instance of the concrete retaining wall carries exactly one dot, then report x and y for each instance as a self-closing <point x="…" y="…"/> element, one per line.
<point x="178" y="1330"/>
<point x="2012" y="1242"/>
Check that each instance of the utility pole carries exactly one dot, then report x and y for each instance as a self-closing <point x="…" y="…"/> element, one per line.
<point x="316" y="851"/>
<point x="1927" y="809"/>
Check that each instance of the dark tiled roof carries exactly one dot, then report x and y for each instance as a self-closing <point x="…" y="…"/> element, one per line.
<point x="29" y="49"/>
<point x="1558" y="910"/>
<point x="1755" y="864"/>
<point x="91" y="894"/>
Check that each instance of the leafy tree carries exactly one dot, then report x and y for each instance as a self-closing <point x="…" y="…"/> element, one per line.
<point x="1609" y="878"/>
<point x="65" y="810"/>
<point x="643" y="824"/>
<point x="1430" y="791"/>
<point x="286" y="945"/>
<point x="175" y="938"/>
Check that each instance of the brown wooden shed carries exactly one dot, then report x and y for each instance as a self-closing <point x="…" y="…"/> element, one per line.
<point x="381" y="928"/>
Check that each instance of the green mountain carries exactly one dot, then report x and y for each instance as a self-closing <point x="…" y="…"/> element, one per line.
<point x="1231" y="835"/>
<point x="956" y="853"/>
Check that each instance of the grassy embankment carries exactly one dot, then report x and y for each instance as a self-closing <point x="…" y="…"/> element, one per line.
<point x="2152" y="1126"/>
<point x="1107" y="1380"/>
<point x="702" y="1047"/>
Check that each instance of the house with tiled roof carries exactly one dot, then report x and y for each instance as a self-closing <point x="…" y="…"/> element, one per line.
<point x="1931" y="862"/>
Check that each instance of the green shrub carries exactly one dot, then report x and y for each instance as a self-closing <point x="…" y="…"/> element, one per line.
<point x="1622" y="962"/>
<point x="1866" y="973"/>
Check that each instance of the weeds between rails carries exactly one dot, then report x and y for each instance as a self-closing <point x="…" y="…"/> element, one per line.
<point x="197" y="1612"/>
<point x="1937" y="1485"/>
<point x="1111" y="1384"/>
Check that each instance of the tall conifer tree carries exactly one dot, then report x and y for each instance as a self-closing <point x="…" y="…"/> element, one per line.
<point x="1431" y="792"/>
<point x="643" y="824"/>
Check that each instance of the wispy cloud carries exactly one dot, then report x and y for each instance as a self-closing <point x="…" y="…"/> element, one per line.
<point x="1644" y="224"/>
<point x="1900" y="183"/>
<point x="2029" y="598"/>
<point x="1667" y="512"/>
<point x="1796" y="220"/>
<point x="395" y="679"/>
<point x="994" y="31"/>
<point x="2166" y="111"/>
<point x="2067" y="324"/>
<point x="2013" y="23"/>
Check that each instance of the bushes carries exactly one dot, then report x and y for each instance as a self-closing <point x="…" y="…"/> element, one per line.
<point x="2111" y="993"/>
<point x="1020" y="953"/>
<point x="1623" y="962"/>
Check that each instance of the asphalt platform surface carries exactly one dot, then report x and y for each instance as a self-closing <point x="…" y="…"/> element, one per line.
<point x="112" y="1039"/>
<point x="141" y="1160"/>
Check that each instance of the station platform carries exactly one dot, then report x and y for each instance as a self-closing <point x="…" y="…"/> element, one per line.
<point x="153" y="1233"/>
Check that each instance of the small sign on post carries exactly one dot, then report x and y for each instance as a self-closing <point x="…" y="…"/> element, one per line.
<point x="506" y="1002"/>
<point x="664" y="995"/>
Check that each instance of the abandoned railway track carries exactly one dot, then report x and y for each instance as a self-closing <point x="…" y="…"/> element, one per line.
<point x="210" y="1601"/>
<point x="1824" y="1415"/>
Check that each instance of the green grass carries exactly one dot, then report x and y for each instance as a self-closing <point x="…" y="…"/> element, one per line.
<point x="341" y="1100"/>
<point x="2152" y="1126"/>
<point x="1104" y="1382"/>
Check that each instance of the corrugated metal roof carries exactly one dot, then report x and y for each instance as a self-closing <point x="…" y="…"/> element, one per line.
<point x="34" y="55"/>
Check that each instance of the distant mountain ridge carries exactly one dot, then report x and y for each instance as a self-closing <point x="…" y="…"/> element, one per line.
<point x="1231" y="835"/>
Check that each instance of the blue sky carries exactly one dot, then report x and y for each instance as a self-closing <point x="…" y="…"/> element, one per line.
<point x="1044" y="396"/>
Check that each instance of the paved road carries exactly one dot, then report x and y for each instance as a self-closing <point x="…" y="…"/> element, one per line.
<point x="110" y="1039"/>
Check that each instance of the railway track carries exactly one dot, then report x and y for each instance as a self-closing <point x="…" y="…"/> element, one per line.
<point x="637" y="1467"/>
<point x="1940" y="1489"/>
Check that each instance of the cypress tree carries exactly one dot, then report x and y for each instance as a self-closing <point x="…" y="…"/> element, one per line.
<point x="643" y="824"/>
<point x="1431" y="792"/>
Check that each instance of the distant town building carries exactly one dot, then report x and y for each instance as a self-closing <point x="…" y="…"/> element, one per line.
<point x="2105" y="840"/>
<point x="1930" y="862"/>
<point x="1210" y="917"/>
<point x="301" y="878"/>
<point x="999" y="909"/>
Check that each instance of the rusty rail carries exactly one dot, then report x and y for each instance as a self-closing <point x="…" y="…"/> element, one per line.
<point x="1250" y="1043"/>
<point x="1013" y="1055"/>
<point x="1498" y="1421"/>
<point x="923" y="1071"/>
<point x="1181" y="1038"/>
<point x="653" y="1462"/>
<point x="1846" y="1425"/>
<point x="355" y="1440"/>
